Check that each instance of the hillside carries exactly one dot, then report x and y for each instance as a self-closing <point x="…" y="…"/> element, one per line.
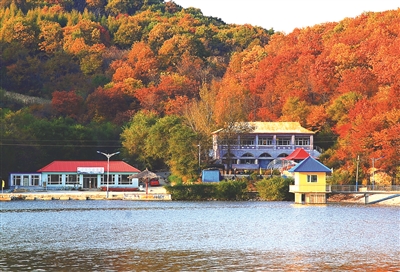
<point x="103" y="63"/>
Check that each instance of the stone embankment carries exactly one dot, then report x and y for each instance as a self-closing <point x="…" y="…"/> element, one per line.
<point x="154" y="194"/>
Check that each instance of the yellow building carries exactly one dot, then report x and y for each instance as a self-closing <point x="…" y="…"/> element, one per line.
<point x="310" y="182"/>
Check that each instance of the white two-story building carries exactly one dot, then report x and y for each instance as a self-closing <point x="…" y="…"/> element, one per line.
<point x="266" y="142"/>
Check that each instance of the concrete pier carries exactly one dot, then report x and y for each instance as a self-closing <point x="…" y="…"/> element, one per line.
<point x="159" y="194"/>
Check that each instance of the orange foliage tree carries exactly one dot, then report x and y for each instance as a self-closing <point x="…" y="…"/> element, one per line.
<point x="67" y="104"/>
<point x="110" y="104"/>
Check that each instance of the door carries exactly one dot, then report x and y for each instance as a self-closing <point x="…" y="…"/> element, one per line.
<point x="90" y="181"/>
<point x="25" y="180"/>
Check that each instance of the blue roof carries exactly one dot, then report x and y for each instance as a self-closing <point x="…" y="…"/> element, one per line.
<point x="310" y="165"/>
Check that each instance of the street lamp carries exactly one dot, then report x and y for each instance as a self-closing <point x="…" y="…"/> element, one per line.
<point x="199" y="153"/>
<point x="199" y="158"/>
<point x="358" y="162"/>
<point x="108" y="166"/>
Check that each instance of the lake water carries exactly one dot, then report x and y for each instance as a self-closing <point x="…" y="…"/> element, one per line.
<point x="197" y="236"/>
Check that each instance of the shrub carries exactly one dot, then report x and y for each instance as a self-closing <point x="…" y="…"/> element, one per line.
<point x="172" y="179"/>
<point x="232" y="190"/>
<point x="224" y="190"/>
<point x="275" y="189"/>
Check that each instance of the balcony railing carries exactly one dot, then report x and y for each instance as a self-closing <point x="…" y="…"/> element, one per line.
<point x="309" y="188"/>
<point x="343" y="188"/>
<point x="266" y="147"/>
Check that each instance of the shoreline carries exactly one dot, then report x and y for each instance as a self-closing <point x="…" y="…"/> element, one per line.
<point x="359" y="199"/>
<point x="159" y="193"/>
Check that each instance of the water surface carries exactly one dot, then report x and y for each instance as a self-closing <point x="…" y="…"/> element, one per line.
<point x="197" y="236"/>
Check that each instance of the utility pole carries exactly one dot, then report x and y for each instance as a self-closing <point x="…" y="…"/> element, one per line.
<point x="358" y="162"/>
<point x="199" y="158"/>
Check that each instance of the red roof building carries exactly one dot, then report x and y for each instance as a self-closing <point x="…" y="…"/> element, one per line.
<point x="67" y="175"/>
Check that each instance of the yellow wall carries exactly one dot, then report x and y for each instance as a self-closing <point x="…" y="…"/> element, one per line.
<point x="300" y="181"/>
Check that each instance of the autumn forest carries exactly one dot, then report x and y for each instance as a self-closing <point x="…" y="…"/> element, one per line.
<point x="153" y="80"/>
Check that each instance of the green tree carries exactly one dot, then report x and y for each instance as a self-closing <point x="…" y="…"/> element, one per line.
<point x="127" y="34"/>
<point x="159" y="142"/>
<point x="18" y="151"/>
<point x="183" y="151"/>
<point x="134" y="135"/>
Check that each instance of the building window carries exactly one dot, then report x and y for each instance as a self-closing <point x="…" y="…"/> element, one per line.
<point x="229" y="142"/>
<point x="264" y="141"/>
<point x="17" y="180"/>
<point x="312" y="178"/>
<point x="54" y="179"/>
<point x="103" y="179"/>
<point x="302" y="141"/>
<point x="283" y="141"/>
<point x="35" y="179"/>
<point x="113" y="179"/>
<point x="71" y="179"/>
<point x="124" y="179"/>
<point x="247" y="141"/>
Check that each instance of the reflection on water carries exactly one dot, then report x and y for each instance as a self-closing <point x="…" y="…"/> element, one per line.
<point x="131" y="260"/>
<point x="197" y="236"/>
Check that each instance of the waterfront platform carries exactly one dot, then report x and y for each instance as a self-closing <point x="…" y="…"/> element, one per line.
<point x="154" y="194"/>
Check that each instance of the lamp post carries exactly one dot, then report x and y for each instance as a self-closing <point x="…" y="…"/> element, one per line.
<point x="358" y="162"/>
<point x="199" y="157"/>
<point x="108" y="166"/>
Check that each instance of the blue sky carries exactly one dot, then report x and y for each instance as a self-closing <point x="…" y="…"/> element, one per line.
<point x="286" y="15"/>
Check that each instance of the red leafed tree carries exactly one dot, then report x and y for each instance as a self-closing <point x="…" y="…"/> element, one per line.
<point x="68" y="104"/>
<point x="108" y="104"/>
<point x="172" y="85"/>
<point x="176" y="106"/>
<point x="150" y="99"/>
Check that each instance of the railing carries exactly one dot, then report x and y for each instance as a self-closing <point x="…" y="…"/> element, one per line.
<point x="361" y="188"/>
<point x="310" y="188"/>
<point x="270" y="147"/>
<point x="344" y="188"/>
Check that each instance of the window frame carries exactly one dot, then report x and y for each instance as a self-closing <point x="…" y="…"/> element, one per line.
<point x="312" y="178"/>
<point x="247" y="141"/>
<point x="17" y="180"/>
<point x="71" y="179"/>
<point x="284" y="141"/>
<point x="302" y="141"/>
<point x="35" y="179"/>
<point x="265" y="141"/>
<point x="124" y="180"/>
<point x="54" y="179"/>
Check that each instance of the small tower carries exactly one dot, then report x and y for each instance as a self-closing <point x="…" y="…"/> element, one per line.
<point x="310" y="182"/>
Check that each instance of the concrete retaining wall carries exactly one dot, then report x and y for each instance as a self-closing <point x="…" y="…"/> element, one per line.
<point x="83" y="196"/>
